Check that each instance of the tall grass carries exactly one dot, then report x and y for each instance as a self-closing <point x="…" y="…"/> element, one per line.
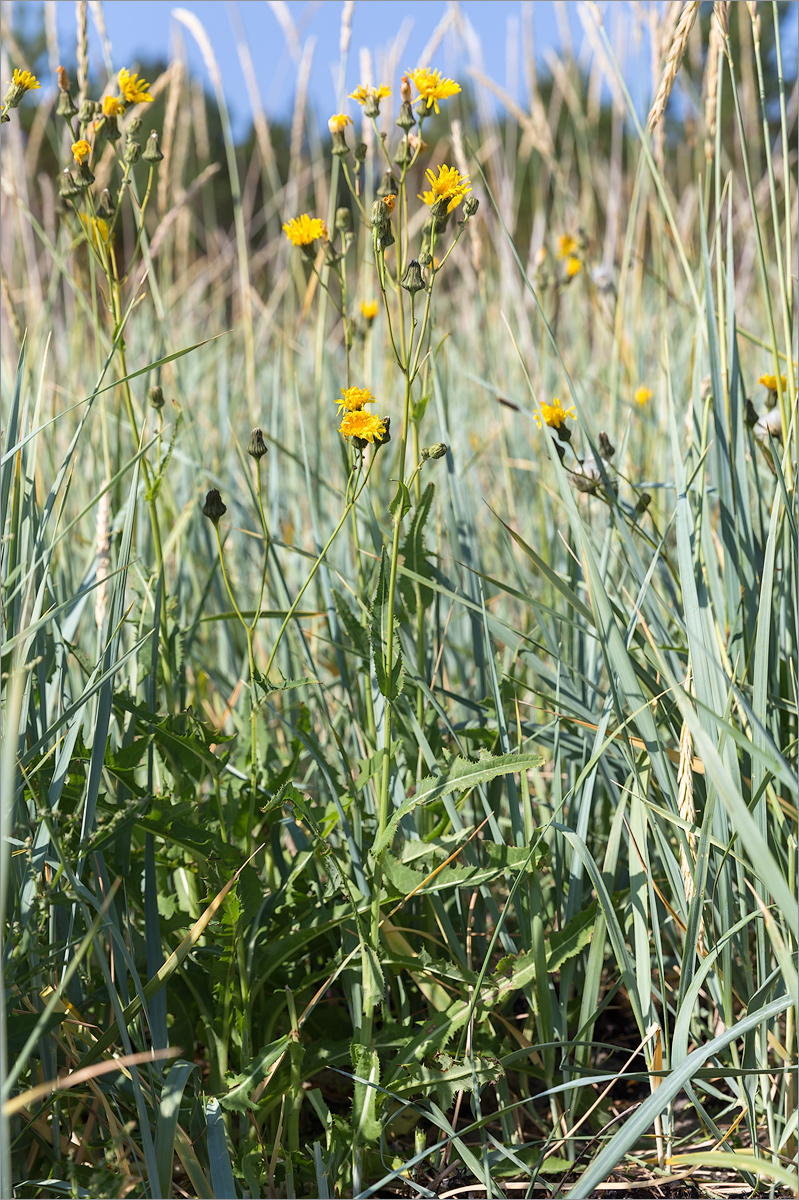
<point x="424" y="823"/>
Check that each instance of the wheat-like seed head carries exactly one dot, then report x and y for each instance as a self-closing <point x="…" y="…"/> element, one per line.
<point x="673" y="61"/>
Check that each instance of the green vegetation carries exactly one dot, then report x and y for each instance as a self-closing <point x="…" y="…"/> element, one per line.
<point x="402" y="802"/>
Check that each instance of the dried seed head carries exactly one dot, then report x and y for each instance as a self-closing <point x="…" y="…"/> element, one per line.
<point x="152" y="151"/>
<point x="413" y="280"/>
<point x="156" y="397"/>
<point x="63" y="79"/>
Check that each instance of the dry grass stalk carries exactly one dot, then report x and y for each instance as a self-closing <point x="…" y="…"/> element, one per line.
<point x="755" y="15"/>
<point x="711" y="87"/>
<point x="673" y="61"/>
<point x="83" y="47"/>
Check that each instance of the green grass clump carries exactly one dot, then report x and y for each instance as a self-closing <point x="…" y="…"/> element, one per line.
<point x="403" y="801"/>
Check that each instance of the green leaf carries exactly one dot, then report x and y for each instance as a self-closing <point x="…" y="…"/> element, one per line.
<point x="366" y="1067"/>
<point x="401" y="497"/>
<point x="461" y="775"/>
<point x="414" y="555"/>
<point x="392" y="687"/>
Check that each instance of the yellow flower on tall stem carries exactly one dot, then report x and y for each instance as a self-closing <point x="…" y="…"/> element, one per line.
<point x="111" y="106"/>
<point x="770" y="382"/>
<point x="369" y="98"/>
<point x="353" y="399"/>
<point x="642" y="395"/>
<point x="339" y="122"/>
<point x="450" y="185"/>
<point x="302" y="231"/>
<point x="432" y="87"/>
<point x="567" y="245"/>
<point x="133" y="89"/>
<point x="555" y="414"/>
<point x="81" y="151"/>
<point x="364" y="425"/>
<point x="369" y="310"/>
<point x="573" y="266"/>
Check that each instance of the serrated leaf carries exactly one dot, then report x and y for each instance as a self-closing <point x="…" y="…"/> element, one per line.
<point x="566" y="942"/>
<point x="366" y="1067"/>
<point x="390" y="688"/>
<point x="414" y="555"/>
<point x="356" y="633"/>
<point x="461" y="775"/>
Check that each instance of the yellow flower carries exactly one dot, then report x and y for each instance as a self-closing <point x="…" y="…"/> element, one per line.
<point x="111" y="106"/>
<point x="363" y="93"/>
<point x="431" y="87"/>
<point x="770" y="382"/>
<point x="364" y="425"/>
<point x="95" y="226"/>
<point x="354" y="398"/>
<point x="642" y="395"/>
<point x="555" y="414"/>
<point x="573" y="266"/>
<point x="133" y="88"/>
<point x="567" y="245"/>
<point x="338" y="122"/>
<point x="81" y="151"/>
<point x="25" y="81"/>
<point x="301" y="231"/>
<point x="369" y="310"/>
<point x="390" y="201"/>
<point x="450" y="185"/>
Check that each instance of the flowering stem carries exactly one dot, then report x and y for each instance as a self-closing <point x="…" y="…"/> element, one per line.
<point x="317" y="563"/>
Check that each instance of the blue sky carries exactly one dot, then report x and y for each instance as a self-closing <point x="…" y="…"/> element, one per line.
<point x="146" y="28"/>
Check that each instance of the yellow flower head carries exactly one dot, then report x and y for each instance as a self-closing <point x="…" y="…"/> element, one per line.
<point x="339" y="122"/>
<point x="81" y="151"/>
<point x="301" y="231"/>
<point x="111" y="106"/>
<point x="363" y="93"/>
<point x="133" y="89"/>
<point x="567" y="245"/>
<point x="770" y="382"/>
<point x="573" y="266"/>
<point x="450" y="185"/>
<point x="390" y="201"/>
<point x="642" y="395"/>
<point x="25" y="81"/>
<point x="364" y="425"/>
<point x="354" y="398"/>
<point x="555" y="414"/>
<point x="432" y="87"/>
<point x="96" y="228"/>
<point x="369" y="310"/>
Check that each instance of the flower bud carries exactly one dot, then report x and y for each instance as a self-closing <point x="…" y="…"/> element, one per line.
<point x="213" y="508"/>
<point x="87" y="111"/>
<point x="403" y="156"/>
<point x="84" y="177"/>
<point x="257" y="447"/>
<point x="343" y="220"/>
<point x="382" y="441"/>
<point x="340" y="147"/>
<point x="644" y="500"/>
<point x="470" y="206"/>
<point x="106" y="206"/>
<point x="67" y="187"/>
<point x="152" y="151"/>
<point x="380" y="218"/>
<point x="407" y="118"/>
<point x="360" y="152"/>
<point x="413" y="280"/>
<point x="132" y="152"/>
<point x="425" y="259"/>
<point x="405" y="90"/>
<point x="388" y="185"/>
<point x="437" y="450"/>
<point x="63" y="79"/>
<point x="133" y="126"/>
<point x="606" y="448"/>
<point x="156" y="397"/>
<point x="371" y="105"/>
<point x="109" y="128"/>
<point x="65" y="105"/>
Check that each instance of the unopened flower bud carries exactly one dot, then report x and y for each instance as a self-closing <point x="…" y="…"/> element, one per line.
<point x="470" y="206"/>
<point x="360" y="152"/>
<point x="343" y="220"/>
<point x="132" y="152"/>
<point x="133" y="126"/>
<point x="386" y="437"/>
<point x="257" y="447"/>
<point x="644" y="500"/>
<point x="381" y="218"/>
<point x="152" y="151"/>
<point x="425" y="259"/>
<point x="405" y="90"/>
<point x="106" y="206"/>
<point x="63" y="79"/>
<point x="156" y="397"/>
<point x="65" y="105"/>
<point x="607" y="449"/>
<point x="407" y="118"/>
<point x="403" y="156"/>
<point x="109" y="128"/>
<point x="67" y="187"/>
<point x="340" y="147"/>
<point x="413" y="280"/>
<point x="213" y="508"/>
<point x="388" y="185"/>
<point x="87" y="111"/>
<point x="437" y="450"/>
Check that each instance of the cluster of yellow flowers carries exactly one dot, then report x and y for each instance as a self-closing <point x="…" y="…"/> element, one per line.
<point x="357" y="422"/>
